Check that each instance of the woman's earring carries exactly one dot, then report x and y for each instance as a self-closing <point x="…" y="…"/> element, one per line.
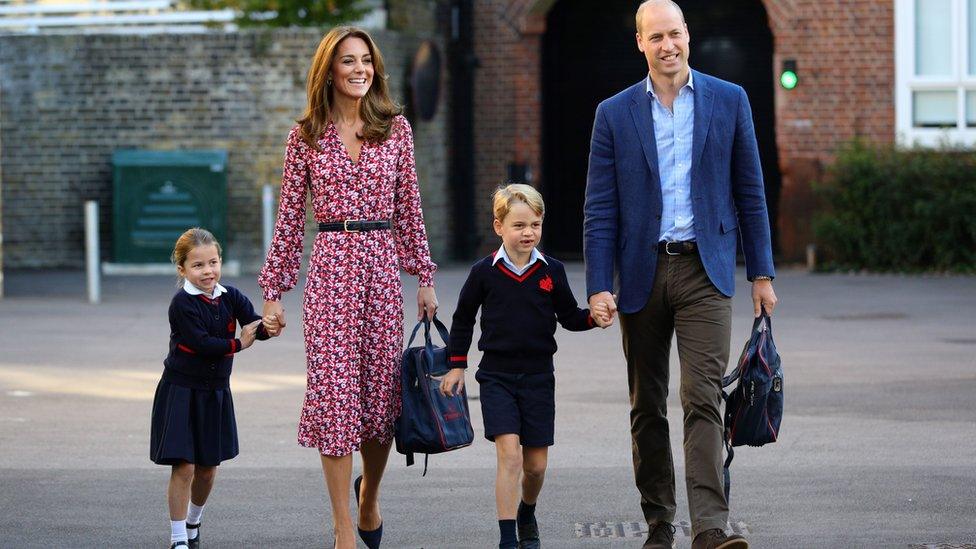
<point x="328" y="81"/>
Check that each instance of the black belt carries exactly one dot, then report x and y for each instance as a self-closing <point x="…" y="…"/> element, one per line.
<point x="354" y="225"/>
<point x="677" y="247"/>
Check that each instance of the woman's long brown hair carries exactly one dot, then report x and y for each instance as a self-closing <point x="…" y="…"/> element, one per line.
<point x="376" y="109"/>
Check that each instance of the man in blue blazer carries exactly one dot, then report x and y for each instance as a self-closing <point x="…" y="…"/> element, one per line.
<point x="674" y="177"/>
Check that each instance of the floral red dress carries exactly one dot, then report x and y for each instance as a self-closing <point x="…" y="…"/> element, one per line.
<point x="353" y="304"/>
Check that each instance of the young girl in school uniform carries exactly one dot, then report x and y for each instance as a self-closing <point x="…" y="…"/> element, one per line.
<point x="193" y="425"/>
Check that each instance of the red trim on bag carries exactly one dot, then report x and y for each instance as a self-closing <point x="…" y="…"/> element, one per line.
<point x="459" y="358"/>
<point x="770" y="424"/>
<point x="589" y="320"/>
<point x="735" y="422"/>
<point x="185" y="349"/>
<point x="527" y="274"/>
<point x="762" y="359"/>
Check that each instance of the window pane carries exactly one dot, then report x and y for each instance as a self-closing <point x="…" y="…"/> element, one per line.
<point x="972" y="36"/>
<point x="934" y="109"/>
<point x="971" y="109"/>
<point x="933" y="37"/>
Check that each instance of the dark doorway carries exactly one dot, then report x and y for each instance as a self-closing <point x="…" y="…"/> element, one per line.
<point x="589" y="53"/>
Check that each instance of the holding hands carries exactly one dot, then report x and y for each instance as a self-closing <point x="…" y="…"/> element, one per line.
<point x="603" y="307"/>
<point x="273" y="318"/>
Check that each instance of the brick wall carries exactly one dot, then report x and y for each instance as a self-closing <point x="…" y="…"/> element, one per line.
<point x="843" y="48"/>
<point x="844" y="51"/>
<point x="507" y="97"/>
<point x="67" y="102"/>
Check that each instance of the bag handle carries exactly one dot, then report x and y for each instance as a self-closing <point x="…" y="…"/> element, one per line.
<point x="423" y="369"/>
<point x="425" y="322"/>
<point x="762" y="323"/>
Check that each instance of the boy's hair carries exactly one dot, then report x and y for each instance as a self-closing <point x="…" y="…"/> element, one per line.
<point x="504" y="197"/>
<point x="191" y="239"/>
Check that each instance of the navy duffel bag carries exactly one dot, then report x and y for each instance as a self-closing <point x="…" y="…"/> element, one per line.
<point x="754" y="409"/>
<point x="429" y="423"/>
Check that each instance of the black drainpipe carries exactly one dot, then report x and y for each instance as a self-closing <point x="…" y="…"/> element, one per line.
<point x="462" y="177"/>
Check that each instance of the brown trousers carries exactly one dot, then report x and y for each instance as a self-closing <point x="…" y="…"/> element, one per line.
<point x="683" y="302"/>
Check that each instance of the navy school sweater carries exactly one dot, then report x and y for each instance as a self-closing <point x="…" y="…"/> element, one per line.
<point x="518" y="316"/>
<point x="201" y="340"/>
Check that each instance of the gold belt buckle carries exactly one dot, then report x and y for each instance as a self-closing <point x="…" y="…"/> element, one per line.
<point x="345" y="226"/>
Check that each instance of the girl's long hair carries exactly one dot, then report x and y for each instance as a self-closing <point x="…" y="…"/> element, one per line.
<point x="376" y="109"/>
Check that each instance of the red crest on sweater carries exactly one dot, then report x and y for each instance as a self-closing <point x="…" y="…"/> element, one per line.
<point x="546" y="284"/>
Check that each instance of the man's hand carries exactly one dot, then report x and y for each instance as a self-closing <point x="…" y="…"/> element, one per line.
<point x="603" y="305"/>
<point x="763" y="297"/>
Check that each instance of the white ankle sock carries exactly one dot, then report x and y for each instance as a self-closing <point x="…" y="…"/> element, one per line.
<point x="194" y="514"/>
<point x="178" y="529"/>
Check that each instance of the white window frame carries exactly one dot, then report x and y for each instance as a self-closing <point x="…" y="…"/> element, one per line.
<point x="906" y="81"/>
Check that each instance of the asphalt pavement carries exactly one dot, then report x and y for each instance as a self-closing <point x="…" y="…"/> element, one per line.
<point x="877" y="447"/>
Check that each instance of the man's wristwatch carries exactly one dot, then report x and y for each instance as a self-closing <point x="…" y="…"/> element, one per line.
<point x="761" y="277"/>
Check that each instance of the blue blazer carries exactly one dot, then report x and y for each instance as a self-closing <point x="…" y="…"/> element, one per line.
<point x="622" y="212"/>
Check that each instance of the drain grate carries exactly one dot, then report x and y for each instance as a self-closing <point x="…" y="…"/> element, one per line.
<point x="960" y="340"/>
<point x="867" y="316"/>
<point x="638" y="529"/>
<point x="942" y="546"/>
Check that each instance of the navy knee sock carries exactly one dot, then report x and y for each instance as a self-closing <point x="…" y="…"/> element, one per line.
<point x="526" y="513"/>
<point x="507" y="530"/>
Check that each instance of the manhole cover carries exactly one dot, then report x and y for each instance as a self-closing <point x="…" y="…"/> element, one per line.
<point x="943" y="546"/>
<point x="960" y="340"/>
<point x="867" y="316"/>
<point x="638" y="529"/>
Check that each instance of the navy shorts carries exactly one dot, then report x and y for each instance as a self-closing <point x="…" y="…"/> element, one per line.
<point x="520" y="404"/>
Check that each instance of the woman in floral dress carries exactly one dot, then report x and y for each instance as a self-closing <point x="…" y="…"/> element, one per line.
<point x="353" y="153"/>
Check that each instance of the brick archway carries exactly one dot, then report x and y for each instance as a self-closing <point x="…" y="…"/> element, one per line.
<point x="840" y="96"/>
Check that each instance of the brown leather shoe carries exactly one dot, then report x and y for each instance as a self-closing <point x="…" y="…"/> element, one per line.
<point x="716" y="539"/>
<point x="661" y="536"/>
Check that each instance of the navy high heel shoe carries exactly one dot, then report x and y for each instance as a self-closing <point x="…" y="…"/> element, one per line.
<point x="371" y="538"/>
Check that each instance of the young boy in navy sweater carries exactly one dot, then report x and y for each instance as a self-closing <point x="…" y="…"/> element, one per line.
<point x="521" y="293"/>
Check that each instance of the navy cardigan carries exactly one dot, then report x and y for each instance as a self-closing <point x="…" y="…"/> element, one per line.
<point x="202" y="330"/>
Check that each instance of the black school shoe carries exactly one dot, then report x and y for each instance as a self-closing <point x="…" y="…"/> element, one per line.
<point x="195" y="542"/>
<point x="178" y="544"/>
<point x="528" y="535"/>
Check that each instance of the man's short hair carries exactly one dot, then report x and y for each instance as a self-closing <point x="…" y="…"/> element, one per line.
<point x="646" y="3"/>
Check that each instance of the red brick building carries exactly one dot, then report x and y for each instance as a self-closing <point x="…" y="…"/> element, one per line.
<point x="544" y="64"/>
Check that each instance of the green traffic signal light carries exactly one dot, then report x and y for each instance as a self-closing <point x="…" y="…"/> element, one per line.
<point x="788" y="80"/>
<point x="788" y="74"/>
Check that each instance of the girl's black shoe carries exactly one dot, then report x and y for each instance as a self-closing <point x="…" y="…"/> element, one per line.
<point x="177" y="544"/>
<point x="371" y="538"/>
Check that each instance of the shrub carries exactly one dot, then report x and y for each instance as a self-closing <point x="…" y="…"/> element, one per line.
<point x="887" y="209"/>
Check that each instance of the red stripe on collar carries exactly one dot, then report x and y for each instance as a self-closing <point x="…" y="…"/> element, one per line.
<point x="525" y="275"/>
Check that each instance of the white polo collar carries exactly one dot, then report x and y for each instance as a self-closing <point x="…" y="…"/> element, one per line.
<point x="193" y="290"/>
<point x="502" y="255"/>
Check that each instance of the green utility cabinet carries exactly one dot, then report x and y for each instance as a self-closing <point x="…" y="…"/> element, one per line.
<point x="161" y="194"/>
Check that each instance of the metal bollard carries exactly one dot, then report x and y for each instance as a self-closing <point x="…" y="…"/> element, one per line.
<point x="92" y="262"/>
